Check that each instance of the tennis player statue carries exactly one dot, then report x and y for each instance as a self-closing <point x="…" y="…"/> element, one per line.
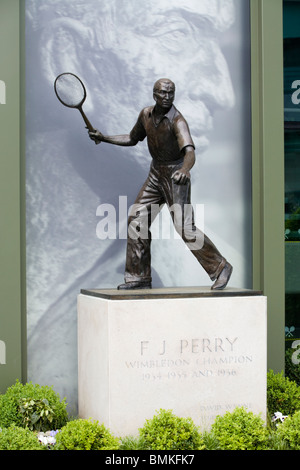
<point x="173" y="156"/>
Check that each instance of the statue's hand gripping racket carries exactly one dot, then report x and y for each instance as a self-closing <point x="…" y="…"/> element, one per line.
<point x="71" y="92"/>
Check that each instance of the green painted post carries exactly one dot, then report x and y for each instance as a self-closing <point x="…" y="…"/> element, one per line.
<point x="10" y="246"/>
<point x="268" y="168"/>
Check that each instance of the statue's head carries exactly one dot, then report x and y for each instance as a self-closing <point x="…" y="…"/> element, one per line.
<point x="164" y="92"/>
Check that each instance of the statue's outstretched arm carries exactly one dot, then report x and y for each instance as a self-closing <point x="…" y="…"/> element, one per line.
<point x="123" y="140"/>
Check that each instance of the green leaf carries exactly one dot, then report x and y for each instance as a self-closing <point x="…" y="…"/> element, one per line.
<point x="34" y="418"/>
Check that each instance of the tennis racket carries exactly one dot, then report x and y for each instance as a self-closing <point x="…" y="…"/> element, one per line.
<point x="71" y="92"/>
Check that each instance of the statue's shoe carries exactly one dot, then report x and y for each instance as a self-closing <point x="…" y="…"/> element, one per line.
<point x="135" y="285"/>
<point x="223" y="277"/>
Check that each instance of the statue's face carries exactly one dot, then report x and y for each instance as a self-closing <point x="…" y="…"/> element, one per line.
<point x="164" y="95"/>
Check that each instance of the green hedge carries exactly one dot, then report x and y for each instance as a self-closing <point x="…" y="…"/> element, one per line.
<point x="32" y="406"/>
<point x="289" y="431"/>
<point x="85" y="434"/>
<point x="240" y="430"/>
<point x="27" y="409"/>
<point x="283" y="394"/>
<point x="16" y="438"/>
<point x="165" y="431"/>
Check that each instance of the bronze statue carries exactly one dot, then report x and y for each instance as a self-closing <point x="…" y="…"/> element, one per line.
<point x="173" y="155"/>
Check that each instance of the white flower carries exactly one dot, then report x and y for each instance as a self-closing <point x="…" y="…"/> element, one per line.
<point x="278" y="415"/>
<point x="46" y="438"/>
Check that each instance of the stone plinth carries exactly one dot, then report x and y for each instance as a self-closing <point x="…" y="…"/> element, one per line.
<point x="197" y="352"/>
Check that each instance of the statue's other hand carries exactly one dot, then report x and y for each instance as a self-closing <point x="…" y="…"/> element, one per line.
<point x="181" y="176"/>
<point x="96" y="136"/>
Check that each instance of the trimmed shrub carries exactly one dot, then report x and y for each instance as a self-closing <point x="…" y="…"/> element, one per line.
<point x="132" y="443"/>
<point x="240" y="430"/>
<point x="84" y="434"/>
<point x="275" y="441"/>
<point x="165" y="431"/>
<point x="33" y="406"/>
<point x="289" y="431"/>
<point x="16" y="438"/>
<point x="283" y="394"/>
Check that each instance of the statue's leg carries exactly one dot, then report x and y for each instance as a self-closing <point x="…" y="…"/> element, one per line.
<point x="138" y="254"/>
<point x="178" y="198"/>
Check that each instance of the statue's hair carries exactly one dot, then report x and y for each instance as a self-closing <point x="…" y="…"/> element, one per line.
<point x="163" y="80"/>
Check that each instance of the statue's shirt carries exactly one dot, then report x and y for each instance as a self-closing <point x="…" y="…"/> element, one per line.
<point x="167" y="138"/>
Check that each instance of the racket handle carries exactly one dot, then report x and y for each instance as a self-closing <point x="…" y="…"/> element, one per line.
<point x="87" y="122"/>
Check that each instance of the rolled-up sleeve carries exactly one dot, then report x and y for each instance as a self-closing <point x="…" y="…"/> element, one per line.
<point x="182" y="132"/>
<point x="138" y="132"/>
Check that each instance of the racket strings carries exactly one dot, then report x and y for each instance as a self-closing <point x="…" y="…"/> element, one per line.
<point x="70" y="90"/>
